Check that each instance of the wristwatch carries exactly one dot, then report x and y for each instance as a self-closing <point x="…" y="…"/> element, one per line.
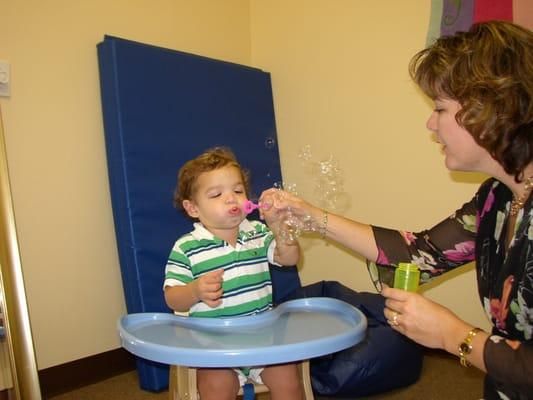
<point x="465" y="347"/>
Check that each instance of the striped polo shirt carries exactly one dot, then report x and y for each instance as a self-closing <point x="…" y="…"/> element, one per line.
<point x="247" y="287"/>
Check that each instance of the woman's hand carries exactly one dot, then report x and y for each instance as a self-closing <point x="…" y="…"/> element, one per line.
<point x="272" y="216"/>
<point x="423" y="320"/>
<point x="276" y="204"/>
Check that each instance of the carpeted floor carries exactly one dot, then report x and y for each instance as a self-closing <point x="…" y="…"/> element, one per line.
<point x="442" y="378"/>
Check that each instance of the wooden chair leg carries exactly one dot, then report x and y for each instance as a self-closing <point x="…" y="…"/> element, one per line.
<point x="306" y="380"/>
<point x="172" y="382"/>
<point x="182" y="383"/>
<point x="192" y="386"/>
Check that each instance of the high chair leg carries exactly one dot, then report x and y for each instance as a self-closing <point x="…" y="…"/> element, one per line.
<point x="182" y="383"/>
<point x="306" y="380"/>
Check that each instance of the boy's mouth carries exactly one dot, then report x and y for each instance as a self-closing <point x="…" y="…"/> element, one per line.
<point x="233" y="211"/>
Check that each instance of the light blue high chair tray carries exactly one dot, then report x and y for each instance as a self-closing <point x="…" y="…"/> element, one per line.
<point x="295" y="330"/>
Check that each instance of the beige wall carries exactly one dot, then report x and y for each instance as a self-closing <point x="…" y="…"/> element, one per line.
<point x="340" y="82"/>
<point x="340" y="85"/>
<point x="56" y="150"/>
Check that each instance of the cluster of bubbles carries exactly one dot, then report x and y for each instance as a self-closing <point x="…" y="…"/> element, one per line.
<point x="327" y="177"/>
<point x="291" y="226"/>
<point x="327" y="182"/>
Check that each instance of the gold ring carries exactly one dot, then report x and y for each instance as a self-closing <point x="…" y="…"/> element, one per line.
<point x="395" y="319"/>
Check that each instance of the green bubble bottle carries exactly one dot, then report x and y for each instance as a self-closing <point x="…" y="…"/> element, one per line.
<point x="406" y="277"/>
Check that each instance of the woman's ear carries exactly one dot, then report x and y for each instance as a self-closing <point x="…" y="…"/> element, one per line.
<point x="191" y="208"/>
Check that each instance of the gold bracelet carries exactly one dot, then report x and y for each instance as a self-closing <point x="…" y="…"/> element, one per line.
<point x="465" y="347"/>
<point x="324" y="227"/>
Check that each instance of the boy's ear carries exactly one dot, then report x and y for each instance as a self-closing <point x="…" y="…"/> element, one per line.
<point x="191" y="208"/>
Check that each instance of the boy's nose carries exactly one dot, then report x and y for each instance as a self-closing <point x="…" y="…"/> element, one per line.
<point x="230" y="199"/>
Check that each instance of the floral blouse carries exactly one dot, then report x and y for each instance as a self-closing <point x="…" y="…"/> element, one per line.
<point x="478" y="231"/>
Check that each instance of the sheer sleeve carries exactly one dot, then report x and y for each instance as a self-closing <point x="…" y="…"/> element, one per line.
<point x="447" y="245"/>
<point x="510" y="362"/>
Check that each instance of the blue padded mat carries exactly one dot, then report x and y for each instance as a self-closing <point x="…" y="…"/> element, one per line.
<point x="162" y="107"/>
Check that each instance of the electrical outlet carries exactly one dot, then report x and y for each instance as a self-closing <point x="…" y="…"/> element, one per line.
<point x="5" y="79"/>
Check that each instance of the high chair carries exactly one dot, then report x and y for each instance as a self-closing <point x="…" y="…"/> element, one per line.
<point x="182" y="383"/>
<point x="182" y="380"/>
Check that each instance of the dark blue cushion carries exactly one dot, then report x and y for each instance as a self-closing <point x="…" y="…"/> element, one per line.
<point x="384" y="360"/>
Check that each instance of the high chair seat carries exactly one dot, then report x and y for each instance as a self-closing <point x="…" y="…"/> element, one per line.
<point x="182" y="383"/>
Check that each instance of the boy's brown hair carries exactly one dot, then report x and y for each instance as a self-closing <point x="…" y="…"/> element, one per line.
<point x="210" y="160"/>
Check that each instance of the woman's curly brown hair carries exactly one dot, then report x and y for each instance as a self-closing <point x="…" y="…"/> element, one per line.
<point x="489" y="71"/>
<point x="211" y="159"/>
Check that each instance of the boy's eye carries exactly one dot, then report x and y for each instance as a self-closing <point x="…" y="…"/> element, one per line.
<point x="239" y="191"/>
<point x="213" y="195"/>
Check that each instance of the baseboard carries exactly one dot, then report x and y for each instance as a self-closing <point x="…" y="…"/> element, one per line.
<point x="75" y="374"/>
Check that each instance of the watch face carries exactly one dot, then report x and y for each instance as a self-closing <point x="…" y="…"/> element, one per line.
<point x="465" y="348"/>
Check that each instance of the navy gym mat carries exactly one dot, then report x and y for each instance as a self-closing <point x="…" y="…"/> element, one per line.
<point x="162" y="107"/>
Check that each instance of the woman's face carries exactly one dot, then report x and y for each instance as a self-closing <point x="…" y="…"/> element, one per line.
<point x="461" y="151"/>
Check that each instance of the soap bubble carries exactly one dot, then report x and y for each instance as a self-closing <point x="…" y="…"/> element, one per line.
<point x="305" y="153"/>
<point x="308" y="225"/>
<point x="291" y="188"/>
<point x="278" y="185"/>
<point x="327" y="180"/>
<point x="291" y="229"/>
<point x="270" y="142"/>
<point x="286" y="186"/>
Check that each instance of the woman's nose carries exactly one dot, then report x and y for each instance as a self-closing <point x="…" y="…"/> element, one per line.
<point x="431" y="123"/>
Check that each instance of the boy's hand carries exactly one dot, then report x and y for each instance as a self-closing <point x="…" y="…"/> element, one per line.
<point x="208" y="288"/>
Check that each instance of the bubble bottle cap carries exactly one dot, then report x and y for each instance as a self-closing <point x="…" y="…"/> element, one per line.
<point x="406" y="277"/>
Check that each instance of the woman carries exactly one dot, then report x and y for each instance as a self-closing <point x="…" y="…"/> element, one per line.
<point x="482" y="84"/>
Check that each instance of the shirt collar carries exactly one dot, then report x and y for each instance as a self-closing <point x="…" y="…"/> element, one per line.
<point x="201" y="232"/>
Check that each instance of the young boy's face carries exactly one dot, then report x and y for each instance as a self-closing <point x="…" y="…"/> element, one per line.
<point x="218" y="200"/>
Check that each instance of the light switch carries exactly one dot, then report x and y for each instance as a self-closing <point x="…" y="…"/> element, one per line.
<point x="5" y="79"/>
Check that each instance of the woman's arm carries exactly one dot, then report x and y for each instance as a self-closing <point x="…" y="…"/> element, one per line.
<point x="447" y="245"/>
<point x="511" y="362"/>
<point x="354" y="235"/>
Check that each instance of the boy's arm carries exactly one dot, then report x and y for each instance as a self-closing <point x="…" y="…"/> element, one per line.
<point x="181" y="298"/>
<point x="207" y="288"/>
<point x="286" y="253"/>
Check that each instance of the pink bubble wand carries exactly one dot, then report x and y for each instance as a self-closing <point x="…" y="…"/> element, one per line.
<point x="249" y="206"/>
